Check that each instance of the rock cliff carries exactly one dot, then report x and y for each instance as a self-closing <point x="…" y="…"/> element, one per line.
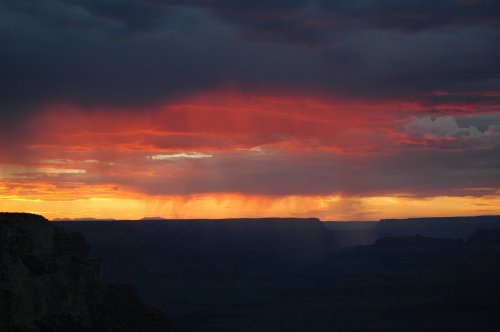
<point x="48" y="283"/>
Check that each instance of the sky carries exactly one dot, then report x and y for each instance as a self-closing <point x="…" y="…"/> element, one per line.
<point x="336" y="109"/>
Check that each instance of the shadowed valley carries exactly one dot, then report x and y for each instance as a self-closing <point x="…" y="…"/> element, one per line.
<point x="300" y="275"/>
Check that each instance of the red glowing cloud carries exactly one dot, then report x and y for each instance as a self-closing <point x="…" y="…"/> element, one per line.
<point x="270" y="152"/>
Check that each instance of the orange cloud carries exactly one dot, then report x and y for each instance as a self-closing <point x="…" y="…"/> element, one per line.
<point x="225" y="154"/>
<point x="219" y="122"/>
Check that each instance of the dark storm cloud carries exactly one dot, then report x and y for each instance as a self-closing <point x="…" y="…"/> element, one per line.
<point x="276" y="20"/>
<point x="113" y="16"/>
<point x="133" y="54"/>
<point x="416" y="15"/>
<point x="309" y="21"/>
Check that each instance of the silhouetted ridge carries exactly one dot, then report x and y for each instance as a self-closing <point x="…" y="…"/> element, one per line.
<point x="485" y="237"/>
<point x="31" y="217"/>
<point x="415" y="242"/>
<point x="270" y="242"/>
<point x="227" y="220"/>
<point x="365" y="233"/>
<point x="409" y="250"/>
<point x="438" y="219"/>
<point x="49" y="284"/>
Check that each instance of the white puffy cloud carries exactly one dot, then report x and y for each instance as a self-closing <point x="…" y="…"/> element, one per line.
<point x="493" y="130"/>
<point x="181" y="155"/>
<point x="445" y="132"/>
<point x="440" y="127"/>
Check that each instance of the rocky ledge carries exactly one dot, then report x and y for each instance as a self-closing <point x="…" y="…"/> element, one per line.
<point x="48" y="283"/>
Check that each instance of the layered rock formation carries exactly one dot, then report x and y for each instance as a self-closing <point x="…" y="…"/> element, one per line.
<point x="48" y="283"/>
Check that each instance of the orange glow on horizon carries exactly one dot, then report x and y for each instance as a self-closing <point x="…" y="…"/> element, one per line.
<point x="240" y="206"/>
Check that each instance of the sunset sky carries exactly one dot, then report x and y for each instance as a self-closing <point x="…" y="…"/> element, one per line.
<point x="336" y="109"/>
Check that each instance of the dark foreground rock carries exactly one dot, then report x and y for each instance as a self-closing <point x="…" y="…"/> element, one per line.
<point x="48" y="283"/>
